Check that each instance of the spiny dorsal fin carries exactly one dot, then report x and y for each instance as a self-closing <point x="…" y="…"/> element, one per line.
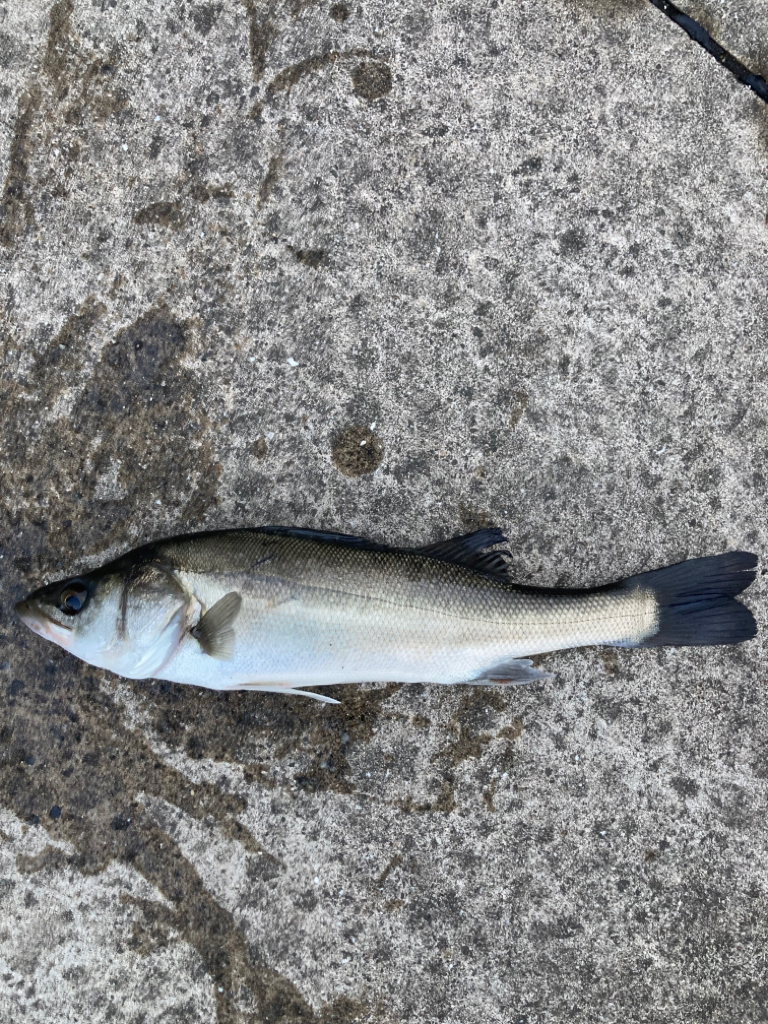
<point x="470" y="551"/>
<point x="214" y="631"/>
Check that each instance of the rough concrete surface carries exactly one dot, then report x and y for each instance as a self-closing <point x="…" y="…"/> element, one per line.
<point x="520" y="249"/>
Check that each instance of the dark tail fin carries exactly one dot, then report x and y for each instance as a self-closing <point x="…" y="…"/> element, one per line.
<point x="696" y="601"/>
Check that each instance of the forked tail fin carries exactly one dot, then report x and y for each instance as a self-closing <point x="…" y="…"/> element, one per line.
<point x="696" y="601"/>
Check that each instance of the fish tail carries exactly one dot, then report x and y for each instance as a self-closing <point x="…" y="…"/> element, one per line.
<point x="696" y="601"/>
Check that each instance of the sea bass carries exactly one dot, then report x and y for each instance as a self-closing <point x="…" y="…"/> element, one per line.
<point x="276" y="609"/>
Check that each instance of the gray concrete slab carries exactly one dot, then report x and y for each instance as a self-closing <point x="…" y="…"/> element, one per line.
<point x="518" y="248"/>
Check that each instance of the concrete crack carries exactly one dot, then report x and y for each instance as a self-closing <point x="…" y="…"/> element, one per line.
<point x="700" y="35"/>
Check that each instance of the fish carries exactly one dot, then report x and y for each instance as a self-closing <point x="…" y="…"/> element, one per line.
<point x="278" y="609"/>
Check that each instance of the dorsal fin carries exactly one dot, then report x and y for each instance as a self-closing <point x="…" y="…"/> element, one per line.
<point x="214" y="631"/>
<point x="470" y="550"/>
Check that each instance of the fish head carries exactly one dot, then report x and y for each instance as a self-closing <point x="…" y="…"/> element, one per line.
<point x="127" y="619"/>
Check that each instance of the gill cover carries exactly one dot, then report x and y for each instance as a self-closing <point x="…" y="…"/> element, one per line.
<point x="153" y="614"/>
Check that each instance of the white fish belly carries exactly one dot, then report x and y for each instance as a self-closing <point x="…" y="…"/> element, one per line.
<point x="291" y="636"/>
<point x="295" y="645"/>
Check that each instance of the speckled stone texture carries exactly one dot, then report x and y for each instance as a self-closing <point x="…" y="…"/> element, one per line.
<point x="519" y="249"/>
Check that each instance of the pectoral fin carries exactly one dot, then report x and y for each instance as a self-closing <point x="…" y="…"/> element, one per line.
<point x="214" y="631"/>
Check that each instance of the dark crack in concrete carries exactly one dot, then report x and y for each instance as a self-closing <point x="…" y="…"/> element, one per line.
<point x="699" y="35"/>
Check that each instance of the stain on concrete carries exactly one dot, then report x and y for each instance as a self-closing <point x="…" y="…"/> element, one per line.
<point x="100" y="98"/>
<point x="64" y="744"/>
<point x="202" y="192"/>
<point x="517" y="406"/>
<point x="59" y="365"/>
<point x="265" y="22"/>
<point x="339" y="13"/>
<point x="472" y="726"/>
<point x="473" y="518"/>
<point x="513" y="731"/>
<point x="111" y="442"/>
<point x="64" y="65"/>
<point x="17" y="214"/>
<point x="231" y="727"/>
<point x="443" y="802"/>
<point x="531" y="165"/>
<point x="685" y="788"/>
<point x="67" y="63"/>
<point x="164" y="213"/>
<point x="288" y="77"/>
<point x="372" y="79"/>
<point x="155" y="146"/>
<point x="488" y="794"/>
<point x="270" y="179"/>
<point x="309" y="257"/>
<point x="262" y="31"/>
<point x="610" y="660"/>
<point x="60" y="47"/>
<point x="204" y="17"/>
<point x="395" y="862"/>
<point x="356" y="450"/>
<point x="572" y="241"/>
<point x="466" y="744"/>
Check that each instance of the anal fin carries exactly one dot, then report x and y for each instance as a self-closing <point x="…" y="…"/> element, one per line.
<point x="516" y="672"/>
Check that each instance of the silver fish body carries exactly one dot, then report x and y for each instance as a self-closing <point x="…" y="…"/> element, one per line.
<point x="275" y="609"/>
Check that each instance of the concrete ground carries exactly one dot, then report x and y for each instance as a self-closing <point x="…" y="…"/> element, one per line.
<point x="520" y="249"/>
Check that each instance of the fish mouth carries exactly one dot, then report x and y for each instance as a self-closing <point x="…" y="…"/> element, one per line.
<point x="42" y="623"/>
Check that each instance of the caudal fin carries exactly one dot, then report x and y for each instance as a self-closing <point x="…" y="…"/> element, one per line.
<point x="696" y="601"/>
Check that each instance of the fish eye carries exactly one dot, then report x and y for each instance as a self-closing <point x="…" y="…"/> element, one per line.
<point x="73" y="597"/>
